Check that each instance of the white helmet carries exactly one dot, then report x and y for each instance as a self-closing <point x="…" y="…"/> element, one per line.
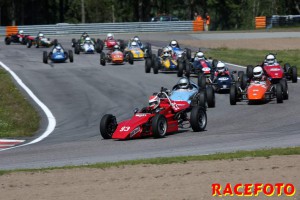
<point x="116" y="47"/>
<point x="166" y="52"/>
<point x="21" y="31"/>
<point x="136" y="38"/>
<point x="220" y="67"/>
<point x="183" y="83"/>
<point x="154" y="102"/>
<point x="41" y="35"/>
<point x="110" y="36"/>
<point x="87" y="39"/>
<point x="58" y="48"/>
<point x="134" y="44"/>
<point x="173" y="43"/>
<point x="257" y="72"/>
<point x="200" y="55"/>
<point x="270" y="59"/>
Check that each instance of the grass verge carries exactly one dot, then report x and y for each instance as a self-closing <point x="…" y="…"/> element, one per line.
<point x="180" y="159"/>
<point x="18" y="118"/>
<point x="253" y="57"/>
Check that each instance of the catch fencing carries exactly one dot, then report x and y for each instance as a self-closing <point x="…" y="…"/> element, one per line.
<point x="99" y="28"/>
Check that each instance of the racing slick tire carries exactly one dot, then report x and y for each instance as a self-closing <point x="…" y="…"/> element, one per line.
<point x="159" y="126"/>
<point x="130" y="58"/>
<point x="73" y="42"/>
<point x="155" y="67"/>
<point x="28" y="43"/>
<point x="294" y="74"/>
<point x="7" y="41"/>
<point x="210" y="95"/>
<point x="249" y="71"/>
<point x="187" y="68"/>
<point x="180" y="69"/>
<point x="45" y="57"/>
<point x="214" y="64"/>
<point x="71" y="57"/>
<point x="286" y="67"/>
<point x="244" y="81"/>
<point x="198" y="118"/>
<point x="148" y="64"/>
<point x="102" y="59"/>
<point x="202" y="98"/>
<point x="279" y="93"/>
<point x="108" y="125"/>
<point x="201" y="81"/>
<point x="232" y="95"/>
<point x="77" y="48"/>
<point x="188" y="53"/>
<point x="285" y="89"/>
<point x="240" y="76"/>
<point x="159" y="52"/>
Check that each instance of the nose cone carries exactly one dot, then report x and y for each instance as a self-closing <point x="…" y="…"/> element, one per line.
<point x="256" y="92"/>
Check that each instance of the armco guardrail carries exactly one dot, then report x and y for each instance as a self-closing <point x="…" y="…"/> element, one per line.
<point x="98" y="28"/>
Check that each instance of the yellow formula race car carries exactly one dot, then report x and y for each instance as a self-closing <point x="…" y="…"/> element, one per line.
<point x="138" y="50"/>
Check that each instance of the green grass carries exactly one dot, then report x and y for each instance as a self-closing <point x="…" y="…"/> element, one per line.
<point x="180" y="159"/>
<point x="18" y="118"/>
<point x="253" y="57"/>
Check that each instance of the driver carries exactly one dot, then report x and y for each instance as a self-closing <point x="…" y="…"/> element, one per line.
<point x="166" y="53"/>
<point x="198" y="57"/>
<point x="109" y="36"/>
<point x="21" y="32"/>
<point x="116" y="48"/>
<point x="221" y="69"/>
<point x="270" y="60"/>
<point x="174" y="44"/>
<point x="183" y="84"/>
<point x="258" y="74"/>
<point x="83" y="37"/>
<point x="88" y="41"/>
<point x="134" y="44"/>
<point x="57" y="49"/>
<point x="137" y="40"/>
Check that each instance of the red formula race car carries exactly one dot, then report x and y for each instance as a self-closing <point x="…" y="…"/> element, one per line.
<point x="110" y="42"/>
<point x="158" y="121"/>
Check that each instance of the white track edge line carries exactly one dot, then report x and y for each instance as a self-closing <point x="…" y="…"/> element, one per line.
<point x="50" y="116"/>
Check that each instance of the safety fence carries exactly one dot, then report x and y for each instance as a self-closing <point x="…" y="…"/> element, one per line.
<point x="99" y="28"/>
<point x="277" y="21"/>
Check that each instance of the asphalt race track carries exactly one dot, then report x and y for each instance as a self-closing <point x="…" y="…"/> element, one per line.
<point x="79" y="93"/>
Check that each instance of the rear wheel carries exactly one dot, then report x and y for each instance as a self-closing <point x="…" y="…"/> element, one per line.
<point x="279" y="93"/>
<point x="187" y="68"/>
<point x="232" y="95"/>
<point x="28" y="43"/>
<point x="155" y="66"/>
<point x="108" y="125"/>
<point x="285" y="90"/>
<point x="180" y="69"/>
<point x="201" y="81"/>
<point x="148" y="64"/>
<point x="77" y="48"/>
<point x="211" y="100"/>
<point x="45" y="57"/>
<point x="249" y="71"/>
<point x="7" y="41"/>
<point x="188" y="53"/>
<point x="71" y="57"/>
<point x="240" y="75"/>
<point x="102" y="59"/>
<point x="244" y="81"/>
<point x="130" y="58"/>
<point x="159" y="52"/>
<point x="201" y="98"/>
<point x="159" y="126"/>
<point x="198" y="118"/>
<point x="73" y="42"/>
<point x="286" y="67"/>
<point x="294" y="74"/>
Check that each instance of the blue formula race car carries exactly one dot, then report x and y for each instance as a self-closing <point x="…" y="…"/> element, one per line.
<point x="58" y="55"/>
<point x="187" y="90"/>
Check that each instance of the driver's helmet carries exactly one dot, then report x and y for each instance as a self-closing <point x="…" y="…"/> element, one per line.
<point x="166" y="52"/>
<point x="257" y="72"/>
<point x="270" y="59"/>
<point x="58" y="48"/>
<point x="173" y="43"/>
<point x="220" y="67"/>
<point x="41" y="35"/>
<point x="21" y="32"/>
<point x="116" y="47"/>
<point x="133" y="44"/>
<point x="136" y="38"/>
<point x="183" y="83"/>
<point x="110" y="36"/>
<point x="84" y="34"/>
<point x="87" y="40"/>
<point x="154" y="102"/>
<point x="200" y="55"/>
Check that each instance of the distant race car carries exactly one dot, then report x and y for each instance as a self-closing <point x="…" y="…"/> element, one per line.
<point x="41" y="42"/>
<point x="89" y="47"/>
<point x="17" y="38"/>
<point x="109" y="43"/>
<point x="116" y="57"/>
<point x="165" y="119"/>
<point x="256" y="91"/>
<point x="194" y="95"/>
<point x="136" y="51"/>
<point x="58" y="55"/>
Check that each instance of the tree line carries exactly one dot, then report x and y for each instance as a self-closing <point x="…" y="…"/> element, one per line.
<point x="225" y="14"/>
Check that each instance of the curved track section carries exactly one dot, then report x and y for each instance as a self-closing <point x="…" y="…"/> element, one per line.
<point x="79" y="93"/>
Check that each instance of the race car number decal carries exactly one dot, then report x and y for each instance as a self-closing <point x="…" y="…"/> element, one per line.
<point x="223" y="78"/>
<point x="205" y="69"/>
<point x="175" y="106"/>
<point x="125" y="128"/>
<point x="275" y="69"/>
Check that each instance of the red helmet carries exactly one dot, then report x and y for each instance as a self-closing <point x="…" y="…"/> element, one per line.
<point x="154" y="102"/>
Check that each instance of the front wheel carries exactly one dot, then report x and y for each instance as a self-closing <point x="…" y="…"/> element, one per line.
<point x="180" y="69"/>
<point x="279" y="93"/>
<point x="285" y="90"/>
<point x="198" y="119"/>
<point x="102" y="59"/>
<point x="28" y="43"/>
<point x="71" y="57"/>
<point x="294" y="74"/>
<point x="187" y="68"/>
<point x="159" y="126"/>
<point x="249" y="71"/>
<point x="45" y="57"/>
<point x="232" y="95"/>
<point x="130" y="58"/>
<point x="201" y="81"/>
<point x="211" y="99"/>
<point x="148" y="63"/>
<point x="108" y="125"/>
<point x="7" y="41"/>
